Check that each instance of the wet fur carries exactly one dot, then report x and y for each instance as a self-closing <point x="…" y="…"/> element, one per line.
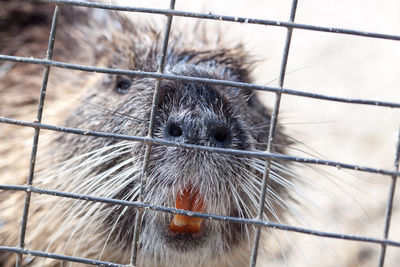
<point x="111" y="168"/>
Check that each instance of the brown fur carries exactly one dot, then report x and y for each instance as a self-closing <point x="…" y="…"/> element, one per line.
<point x="24" y="29"/>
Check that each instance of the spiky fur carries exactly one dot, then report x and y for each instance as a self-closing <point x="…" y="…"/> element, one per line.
<point x="109" y="168"/>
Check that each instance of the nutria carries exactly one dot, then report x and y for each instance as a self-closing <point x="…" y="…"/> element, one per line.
<point x="187" y="112"/>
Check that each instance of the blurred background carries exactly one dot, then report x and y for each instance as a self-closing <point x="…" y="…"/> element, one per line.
<point x="330" y="199"/>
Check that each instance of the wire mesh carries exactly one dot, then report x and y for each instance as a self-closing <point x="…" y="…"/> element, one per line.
<point x="150" y="140"/>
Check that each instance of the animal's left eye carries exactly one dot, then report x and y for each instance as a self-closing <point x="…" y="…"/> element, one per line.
<point x="123" y="84"/>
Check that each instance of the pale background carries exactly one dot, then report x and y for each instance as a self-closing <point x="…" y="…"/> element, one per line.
<point x="339" y="65"/>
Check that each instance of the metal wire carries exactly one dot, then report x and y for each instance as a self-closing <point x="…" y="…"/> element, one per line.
<point x="241" y="153"/>
<point x="389" y="207"/>
<point x="58" y="256"/>
<point x="149" y="140"/>
<point x="254" y="222"/>
<point x="225" y="18"/>
<point x="156" y="75"/>
<point x="161" y="65"/>
<point x="38" y="119"/>
<point x="271" y="136"/>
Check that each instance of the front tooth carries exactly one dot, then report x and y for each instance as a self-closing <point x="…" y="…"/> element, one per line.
<point x="180" y="220"/>
<point x="179" y="223"/>
<point x="193" y="225"/>
<point x="189" y="201"/>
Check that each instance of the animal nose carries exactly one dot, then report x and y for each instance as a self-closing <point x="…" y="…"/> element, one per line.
<point x="219" y="134"/>
<point x="173" y="131"/>
<point x="210" y="133"/>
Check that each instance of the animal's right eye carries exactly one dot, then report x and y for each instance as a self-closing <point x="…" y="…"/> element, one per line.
<point x="123" y="84"/>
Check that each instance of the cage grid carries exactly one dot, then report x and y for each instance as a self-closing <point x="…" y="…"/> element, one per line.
<point x="149" y="140"/>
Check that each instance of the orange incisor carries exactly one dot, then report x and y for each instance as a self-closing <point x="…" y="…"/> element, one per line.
<point x="189" y="200"/>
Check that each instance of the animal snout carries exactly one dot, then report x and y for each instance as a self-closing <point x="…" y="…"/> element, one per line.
<point x="199" y="132"/>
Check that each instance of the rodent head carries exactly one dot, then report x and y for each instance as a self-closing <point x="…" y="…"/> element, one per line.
<point x="192" y="113"/>
<point x="187" y="112"/>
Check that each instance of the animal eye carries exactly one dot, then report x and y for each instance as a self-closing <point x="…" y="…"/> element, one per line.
<point x="123" y="84"/>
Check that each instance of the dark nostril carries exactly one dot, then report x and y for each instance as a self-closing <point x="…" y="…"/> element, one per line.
<point x="174" y="130"/>
<point x="221" y="134"/>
